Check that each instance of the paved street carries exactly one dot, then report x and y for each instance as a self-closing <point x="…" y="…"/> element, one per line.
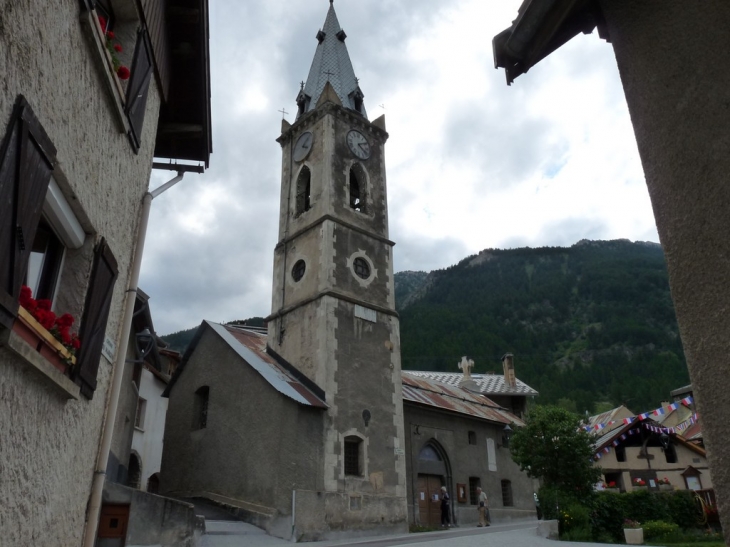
<point x="239" y="534"/>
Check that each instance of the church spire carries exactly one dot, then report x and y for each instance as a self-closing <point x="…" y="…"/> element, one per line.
<point x="331" y="65"/>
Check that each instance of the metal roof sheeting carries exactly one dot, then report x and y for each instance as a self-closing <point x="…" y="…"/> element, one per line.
<point x="251" y="347"/>
<point x="489" y="384"/>
<point x="429" y="392"/>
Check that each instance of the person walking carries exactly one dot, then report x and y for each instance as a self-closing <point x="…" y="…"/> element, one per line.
<point x="445" y="508"/>
<point x="483" y="507"/>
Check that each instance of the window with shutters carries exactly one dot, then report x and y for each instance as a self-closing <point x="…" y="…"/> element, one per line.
<point x="304" y="191"/>
<point x="124" y="50"/>
<point x="38" y="233"/>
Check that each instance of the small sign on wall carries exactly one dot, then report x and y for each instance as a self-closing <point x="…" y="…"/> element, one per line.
<point x="399" y="452"/>
<point x="109" y="349"/>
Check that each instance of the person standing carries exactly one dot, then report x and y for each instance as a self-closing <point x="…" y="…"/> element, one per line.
<point x="445" y="508"/>
<point x="483" y="506"/>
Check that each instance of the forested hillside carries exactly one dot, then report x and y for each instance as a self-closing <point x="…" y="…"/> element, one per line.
<point x="587" y="324"/>
<point x="592" y="323"/>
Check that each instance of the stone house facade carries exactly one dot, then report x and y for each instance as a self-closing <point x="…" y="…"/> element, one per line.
<point x="459" y="438"/>
<point x="77" y="142"/>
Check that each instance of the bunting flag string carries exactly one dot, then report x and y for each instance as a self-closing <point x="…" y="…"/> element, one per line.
<point x="661" y="411"/>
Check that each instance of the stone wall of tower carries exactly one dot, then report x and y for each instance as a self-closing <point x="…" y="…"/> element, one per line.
<point x="339" y="329"/>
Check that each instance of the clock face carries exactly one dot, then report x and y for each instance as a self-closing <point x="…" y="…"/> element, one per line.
<point x="358" y="144"/>
<point x="303" y="146"/>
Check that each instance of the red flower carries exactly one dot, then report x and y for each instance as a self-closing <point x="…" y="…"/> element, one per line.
<point x="75" y="342"/>
<point x="110" y="34"/>
<point x="26" y="299"/>
<point x="102" y="22"/>
<point x="117" y="47"/>
<point x="65" y="321"/>
<point x="44" y="304"/>
<point x="45" y="317"/>
<point x="123" y="73"/>
<point x="65" y="335"/>
<point x="612" y="484"/>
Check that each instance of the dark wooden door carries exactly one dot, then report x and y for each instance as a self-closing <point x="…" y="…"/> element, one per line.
<point x="429" y="500"/>
<point x="113" y="526"/>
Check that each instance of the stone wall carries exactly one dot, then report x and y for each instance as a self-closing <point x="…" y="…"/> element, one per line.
<point x="49" y="446"/>
<point x="154" y="520"/>
<point x="463" y="460"/>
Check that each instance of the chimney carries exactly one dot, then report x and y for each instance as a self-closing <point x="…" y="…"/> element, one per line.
<point x="509" y="370"/>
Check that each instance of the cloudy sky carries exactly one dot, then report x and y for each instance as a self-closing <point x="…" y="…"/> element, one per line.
<point x="471" y="162"/>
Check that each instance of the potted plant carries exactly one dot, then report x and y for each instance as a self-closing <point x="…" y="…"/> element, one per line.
<point x="665" y="485"/>
<point x="49" y="335"/>
<point x="612" y="487"/>
<point x="639" y="484"/>
<point x="633" y="532"/>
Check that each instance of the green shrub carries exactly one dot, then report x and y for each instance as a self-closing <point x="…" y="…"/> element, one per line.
<point x="574" y="517"/>
<point x="658" y="528"/>
<point x="644" y="506"/>
<point x="683" y="509"/>
<point x="607" y="516"/>
<point x="581" y="533"/>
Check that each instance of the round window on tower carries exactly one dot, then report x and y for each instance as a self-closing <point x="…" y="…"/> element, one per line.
<point x="297" y="272"/>
<point x="361" y="267"/>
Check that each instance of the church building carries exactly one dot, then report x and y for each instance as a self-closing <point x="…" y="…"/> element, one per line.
<point x="300" y="430"/>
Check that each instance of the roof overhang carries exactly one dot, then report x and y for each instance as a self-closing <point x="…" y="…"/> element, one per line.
<point x="184" y="130"/>
<point x="541" y="27"/>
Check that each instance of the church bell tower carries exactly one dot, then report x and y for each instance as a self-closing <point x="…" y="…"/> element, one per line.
<point x="333" y="307"/>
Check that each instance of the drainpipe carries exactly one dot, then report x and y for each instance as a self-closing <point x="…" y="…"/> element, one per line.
<point x="97" y="486"/>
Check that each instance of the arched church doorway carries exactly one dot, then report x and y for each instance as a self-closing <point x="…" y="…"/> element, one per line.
<point x="434" y="472"/>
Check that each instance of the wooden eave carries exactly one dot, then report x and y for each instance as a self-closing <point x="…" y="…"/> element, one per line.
<point x="184" y="130"/>
<point x="541" y="27"/>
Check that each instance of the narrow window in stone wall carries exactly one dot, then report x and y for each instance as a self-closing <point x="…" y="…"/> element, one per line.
<point x="474" y="483"/>
<point x="353" y="458"/>
<point x="304" y="191"/>
<point x="507" y="493"/>
<point x="200" y="408"/>
<point x="141" y="411"/>
<point x="472" y="437"/>
<point x="357" y="188"/>
<point x="620" y="453"/>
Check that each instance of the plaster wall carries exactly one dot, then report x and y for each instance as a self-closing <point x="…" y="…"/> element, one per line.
<point x="48" y="451"/>
<point x="147" y="441"/>
<point x="258" y="446"/>
<point x="118" y="464"/>
<point x="451" y="432"/>
<point x="671" y="58"/>
<point x="657" y="463"/>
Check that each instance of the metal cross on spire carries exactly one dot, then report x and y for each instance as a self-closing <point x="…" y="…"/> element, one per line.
<point x="283" y="113"/>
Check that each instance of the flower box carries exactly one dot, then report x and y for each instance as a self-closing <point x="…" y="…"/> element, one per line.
<point x="634" y="536"/>
<point x="612" y="490"/>
<point x="32" y="332"/>
<point x="666" y="487"/>
<point x="637" y="487"/>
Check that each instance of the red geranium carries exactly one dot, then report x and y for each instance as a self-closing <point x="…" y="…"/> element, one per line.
<point x="46" y="318"/>
<point x="612" y="484"/>
<point x="123" y="73"/>
<point x="75" y="342"/>
<point x="118" y="47"/>
<point x="44" y="304"/>
<point x="102" y="22"/>
<point x="110" y="34"/>
<point x="65" y="321"/>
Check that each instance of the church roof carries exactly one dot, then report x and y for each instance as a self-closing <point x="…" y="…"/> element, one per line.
<point x="331" y="64"/>
<point x="489" y="384"/>
<point x="250" y="345"/>
<point x="430" y="392"/>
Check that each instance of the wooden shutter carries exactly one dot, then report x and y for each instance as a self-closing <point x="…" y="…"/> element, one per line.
<point x="96" y="313"/>
<point x="139" y="84"/>
<point x="27" y="159"/>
